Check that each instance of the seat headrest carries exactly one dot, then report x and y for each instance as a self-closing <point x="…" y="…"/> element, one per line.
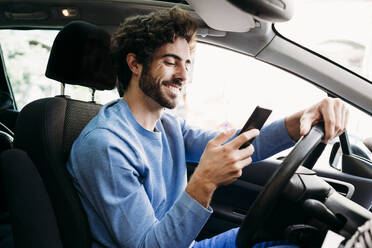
<point x="81" y="56"/>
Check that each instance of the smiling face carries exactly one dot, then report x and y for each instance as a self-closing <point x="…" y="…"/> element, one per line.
<point x="165" y="77"/>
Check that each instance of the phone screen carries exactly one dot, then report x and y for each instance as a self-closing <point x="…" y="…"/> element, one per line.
<point x="256" y="120"/>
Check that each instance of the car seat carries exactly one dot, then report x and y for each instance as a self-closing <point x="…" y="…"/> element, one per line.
<point x="46" y="128"/>
<point x="7" y="122"/>
<point x="33" y="220"/>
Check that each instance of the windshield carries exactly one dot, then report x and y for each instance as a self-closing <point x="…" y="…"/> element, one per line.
<point x="337" y="29"/>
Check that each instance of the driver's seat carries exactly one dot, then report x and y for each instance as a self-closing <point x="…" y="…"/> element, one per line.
<point x="46" y="128"/>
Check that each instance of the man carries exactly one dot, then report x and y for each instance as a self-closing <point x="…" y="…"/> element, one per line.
<point x="129" y="163"/>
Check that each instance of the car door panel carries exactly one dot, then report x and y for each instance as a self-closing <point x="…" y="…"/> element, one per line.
<point x="362" y="193"/>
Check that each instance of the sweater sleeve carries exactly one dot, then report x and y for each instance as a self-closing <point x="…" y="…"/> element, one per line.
<point x="195" y="140"/>
<point x="273" y="138"/>
<point x="109" y="179"/>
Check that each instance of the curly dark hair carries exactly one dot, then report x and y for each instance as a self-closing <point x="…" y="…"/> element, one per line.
<point x="144" y="34"/>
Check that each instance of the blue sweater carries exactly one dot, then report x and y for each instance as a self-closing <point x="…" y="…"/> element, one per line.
<point x="132" y="181"/>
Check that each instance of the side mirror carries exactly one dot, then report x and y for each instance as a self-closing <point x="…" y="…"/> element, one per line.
<point x="354" y="162"/>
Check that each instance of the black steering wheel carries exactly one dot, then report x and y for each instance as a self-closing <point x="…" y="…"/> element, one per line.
<point x="266" y="200"/>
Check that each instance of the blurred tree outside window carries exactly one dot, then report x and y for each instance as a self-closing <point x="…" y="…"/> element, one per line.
<point x="26" y="54"/>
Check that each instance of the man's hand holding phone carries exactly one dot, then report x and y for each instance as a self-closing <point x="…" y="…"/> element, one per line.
<point x="256" y="120"/>
<point x="222" y="163"/>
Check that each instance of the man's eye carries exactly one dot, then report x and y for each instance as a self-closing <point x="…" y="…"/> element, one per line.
<point x="169" y="63"/>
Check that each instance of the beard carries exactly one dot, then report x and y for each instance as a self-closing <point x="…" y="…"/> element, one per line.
<point x="151" y="87"/>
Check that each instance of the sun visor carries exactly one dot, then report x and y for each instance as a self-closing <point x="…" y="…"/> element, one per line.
<point x="268" y="10"/>
<point x="217" y="15"/>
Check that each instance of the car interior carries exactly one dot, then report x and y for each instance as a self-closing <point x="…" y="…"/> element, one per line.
<point x="46" y="129"/>
<point x="285" y="198"/>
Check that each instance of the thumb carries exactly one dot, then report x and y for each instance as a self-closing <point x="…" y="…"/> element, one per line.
<point x="305" y="126"/>
<point x="223" y="136"/>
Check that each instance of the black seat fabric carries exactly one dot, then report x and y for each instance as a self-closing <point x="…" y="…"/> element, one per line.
<point x="46" y="128"/>
<point x="6" y="141"/>
<point x="33" y="221"/>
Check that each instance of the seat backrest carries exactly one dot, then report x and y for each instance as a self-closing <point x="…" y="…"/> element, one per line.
<point x="33" y="220"/>
<point x="6" y="143"/>
<point x="46" y="128"/>
<point x="6" y="240"/>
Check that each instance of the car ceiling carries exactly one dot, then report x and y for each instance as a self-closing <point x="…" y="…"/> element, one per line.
<point x="108" y="14"/>
<point x="48" y="13"/>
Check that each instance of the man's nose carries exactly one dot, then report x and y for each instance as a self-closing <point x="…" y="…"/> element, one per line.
<point x="182" y="73"/>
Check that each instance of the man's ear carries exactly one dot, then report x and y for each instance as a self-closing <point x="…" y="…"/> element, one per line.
<point x="133" y="64"/>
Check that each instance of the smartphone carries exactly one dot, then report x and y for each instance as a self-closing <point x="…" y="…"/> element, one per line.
<point x="256" y="120"/>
